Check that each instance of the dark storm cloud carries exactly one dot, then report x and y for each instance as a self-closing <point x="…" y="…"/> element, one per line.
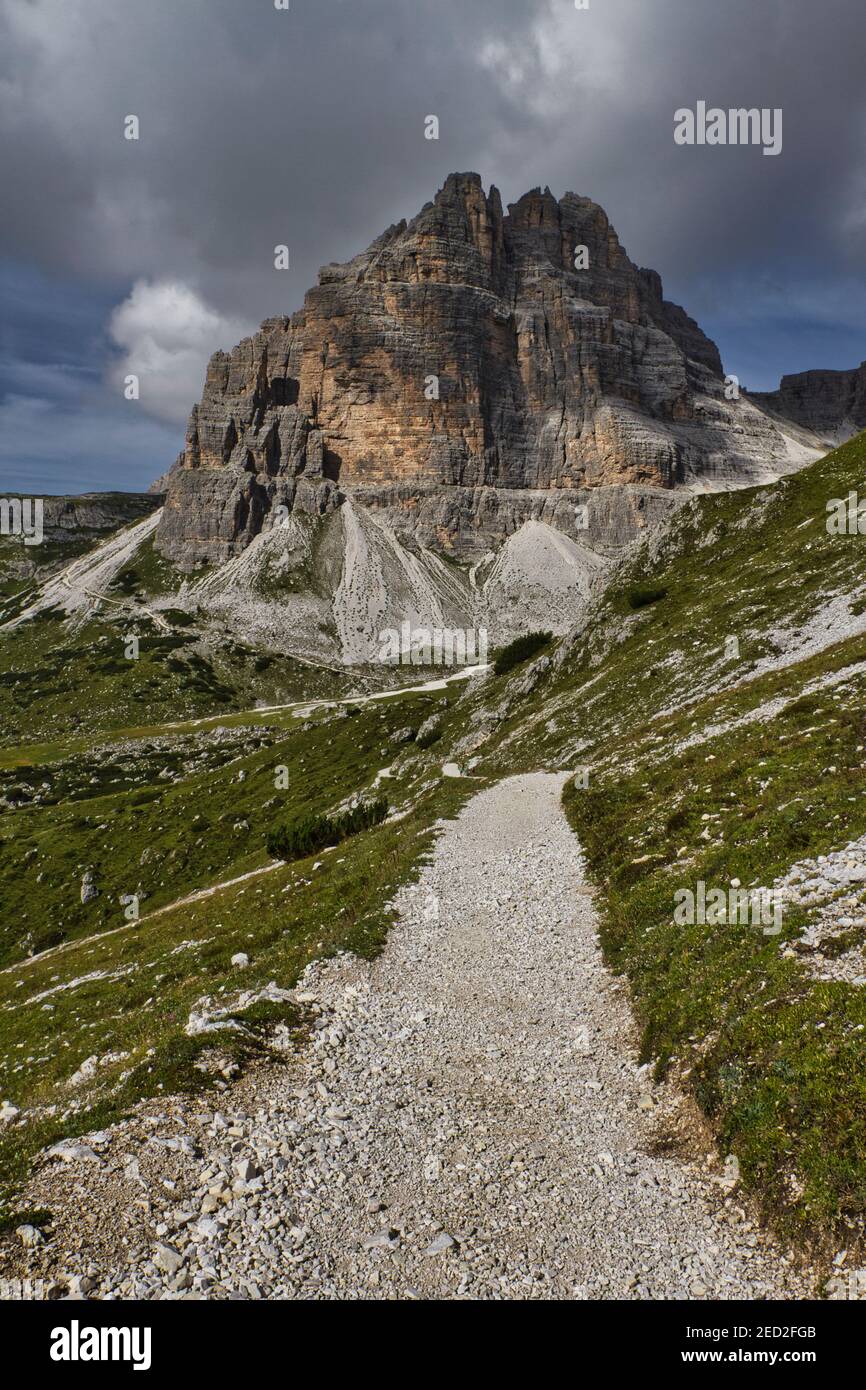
<point x="261" y="126"/>
<point x="257" y="127"/>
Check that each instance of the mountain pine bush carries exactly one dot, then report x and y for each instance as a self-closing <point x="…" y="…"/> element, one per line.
<point x="306" y="834"/>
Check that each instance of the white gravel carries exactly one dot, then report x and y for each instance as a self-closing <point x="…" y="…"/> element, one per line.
<point x="80" y="588"/>
<point x="832" y="888"/>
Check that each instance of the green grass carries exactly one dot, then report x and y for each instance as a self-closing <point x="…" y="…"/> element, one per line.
<point x="776" y="1059"/>
<point x="56" y="687"/>
<point x="164" y="816"/>
<point x="147" y="575"/>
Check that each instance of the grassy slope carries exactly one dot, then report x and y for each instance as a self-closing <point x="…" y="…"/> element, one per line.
<point x="775" y="1058"/>
<point x="55" y="683"/>
<point x="151" y="973"/>
<point x="171" y="815"/>
<point x="60" y="687"/>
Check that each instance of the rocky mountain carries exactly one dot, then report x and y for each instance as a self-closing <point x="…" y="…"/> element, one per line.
<point x="463" y="374"/>
<point x="462" y="427"/>
<point x="832" y="404"/>
<point x="508" y="391"/>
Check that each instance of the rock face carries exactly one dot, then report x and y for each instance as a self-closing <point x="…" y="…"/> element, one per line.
<point x="70" y="520"/>
<point x="831" y="403"/>
<point x="69" y="524"/>
<point x="470" y="372"/>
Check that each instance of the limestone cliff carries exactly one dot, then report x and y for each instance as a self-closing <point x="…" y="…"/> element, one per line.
<point x="469" y="372"/>
<point x="832" y="403"/>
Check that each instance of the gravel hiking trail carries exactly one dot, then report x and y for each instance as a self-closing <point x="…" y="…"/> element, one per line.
<point x="469" y="1120"/>
<point x="488" y="1088"/>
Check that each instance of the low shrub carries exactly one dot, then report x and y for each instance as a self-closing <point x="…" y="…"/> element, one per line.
<point x="178" y="617"/>
<point x="428" y="737"/>
<point x="642" y="598"/>
<point x="521" y="649"/>
<point x="309" y="833"/>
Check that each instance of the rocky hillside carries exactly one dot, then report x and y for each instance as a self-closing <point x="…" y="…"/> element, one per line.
<point x="712" y="701"/>
<point x="696" y="759"/>
<point x="71" y="526"/>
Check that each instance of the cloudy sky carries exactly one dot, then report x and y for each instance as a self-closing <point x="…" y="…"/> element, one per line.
<point x="305" y="126"/>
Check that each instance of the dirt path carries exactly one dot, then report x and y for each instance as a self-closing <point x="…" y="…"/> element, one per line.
<point x="469" y="1120"/>
<point x="490" y="1092"/>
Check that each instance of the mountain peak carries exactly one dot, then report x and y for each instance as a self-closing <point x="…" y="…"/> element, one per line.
<point x="473" y="371"/>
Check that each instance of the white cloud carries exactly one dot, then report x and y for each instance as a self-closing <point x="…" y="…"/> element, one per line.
<point x="167" y="333"/>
